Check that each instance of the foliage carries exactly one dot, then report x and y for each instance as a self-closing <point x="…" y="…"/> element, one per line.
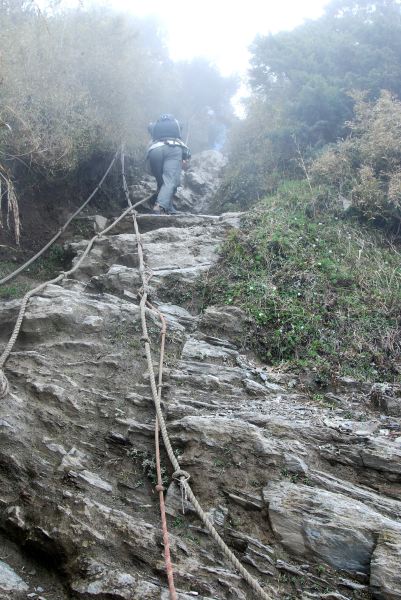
<point x="355" y="45"/>
<point x="148" y="464"/>
<point x="77" y="83"/>
<point x="301" y="82"/>
<point x="323" y="293"/>
<point x="261" y="153"/>
<point x="366" y="167"/>
<point x="7" y="193"/>
<point x="14" y="290"/>
<point x="46" y="267"/>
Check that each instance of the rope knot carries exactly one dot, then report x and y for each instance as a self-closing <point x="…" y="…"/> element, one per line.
<point x="160" y="488"/>
<point x="182" y="477"/>
<point x="145" y="338"/>
<point x="4" y="385"/>
<point x="146" y="290"/>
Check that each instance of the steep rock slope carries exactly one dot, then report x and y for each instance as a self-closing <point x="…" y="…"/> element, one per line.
<point x="306" y="495"/>
<point x="199" y="183"/>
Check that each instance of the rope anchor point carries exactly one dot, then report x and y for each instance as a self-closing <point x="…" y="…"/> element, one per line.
<point x="4" y="385"/>
<point x="182" y="477"/>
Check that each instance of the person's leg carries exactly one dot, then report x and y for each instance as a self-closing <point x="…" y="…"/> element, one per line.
<point x="156" y="159"/>
<point x="171" y="176"/>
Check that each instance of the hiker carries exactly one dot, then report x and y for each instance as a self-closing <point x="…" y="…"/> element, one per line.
<point x="216" y="131"/>
<point x="166" y="156"/>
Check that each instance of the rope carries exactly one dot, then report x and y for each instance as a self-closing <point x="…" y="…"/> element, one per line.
<point x="159" y="486"/>
<point x="62" y="229"/>
<point x="4" y="386"/>
<point x="179" y="474"/>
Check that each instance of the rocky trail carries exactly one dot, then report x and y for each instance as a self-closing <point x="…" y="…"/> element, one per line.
<point x="303" y="487"/>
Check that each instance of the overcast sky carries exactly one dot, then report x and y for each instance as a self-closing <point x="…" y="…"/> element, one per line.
<point x="220" y="30"/>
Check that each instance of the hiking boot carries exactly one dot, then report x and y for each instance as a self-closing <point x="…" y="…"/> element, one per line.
<point x="158" y="210"/>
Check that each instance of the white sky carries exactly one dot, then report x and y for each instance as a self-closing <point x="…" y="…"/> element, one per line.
<point x="220" y="30"/>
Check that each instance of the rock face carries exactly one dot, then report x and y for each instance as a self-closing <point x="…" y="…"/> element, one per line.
<point x="198" y="184"/>
<point x="386" y="398"/>
<point x="10" y="582"/>
<point x="305" y="492"/>
<point x="332" y="527"/>
<point x="385" y="576"/>
<point x="201" y="181"/>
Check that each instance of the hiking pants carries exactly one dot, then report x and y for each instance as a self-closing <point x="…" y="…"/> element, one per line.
<point x="165" y="164"/>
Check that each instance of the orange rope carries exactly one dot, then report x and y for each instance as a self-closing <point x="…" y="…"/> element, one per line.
<point x="160" y="489"/>
<point x="159" y="486"/>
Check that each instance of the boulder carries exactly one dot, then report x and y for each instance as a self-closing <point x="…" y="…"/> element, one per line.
<point x="324" y="525"/>
<point x="198" y="184"/>
<point x="228" y="322"/>
<point x="385" y="568"/>
<point x="386" y="398"/>
<point x="201" y="181"/>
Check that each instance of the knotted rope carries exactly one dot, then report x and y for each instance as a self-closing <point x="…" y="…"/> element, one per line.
<point x="179" y="474"/>
<point x="4" y="386"/>
<point x="144" y="292"/>
<point x="63" y="228"/>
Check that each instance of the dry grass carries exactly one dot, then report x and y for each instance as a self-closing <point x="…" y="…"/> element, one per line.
<point x="9" y="204"/>
<point x="366" y="168"/>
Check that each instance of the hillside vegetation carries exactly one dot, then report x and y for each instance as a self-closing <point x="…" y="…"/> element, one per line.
<point x="326" y="82"/>
<point x="75" y="84"/>
<point x="323" y="291"/>
<point x="317" y="161"/>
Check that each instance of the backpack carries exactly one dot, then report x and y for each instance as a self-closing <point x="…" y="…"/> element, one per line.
<point x="166" y="127"/>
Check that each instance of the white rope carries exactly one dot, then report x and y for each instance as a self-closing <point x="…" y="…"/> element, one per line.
<point x="62" y="229"/>
<point x="179" y="474"/>
<point x="4" y="386"/>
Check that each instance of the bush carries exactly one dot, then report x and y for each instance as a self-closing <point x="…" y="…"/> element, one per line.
<point x="300" y="82"/>
<point x="366" y="167"/>
<point x="76" y="84"/>
<point x="261" y="152"/>
<point x="323" y="293"/>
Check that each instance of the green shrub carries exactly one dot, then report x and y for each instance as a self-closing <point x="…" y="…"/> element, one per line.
<point x="261" y="152"/>
<point x="322" y="292"/>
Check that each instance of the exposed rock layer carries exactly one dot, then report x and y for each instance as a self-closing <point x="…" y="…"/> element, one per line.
<point x="305" y="490"/>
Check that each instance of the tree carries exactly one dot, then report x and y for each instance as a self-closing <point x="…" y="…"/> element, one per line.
<point x="308" y="76"/>
<point x="75" y="84"/>
<point x="355" y="45"/>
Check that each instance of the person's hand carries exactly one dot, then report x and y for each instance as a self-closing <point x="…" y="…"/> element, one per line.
<point x="185" y="164"/>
